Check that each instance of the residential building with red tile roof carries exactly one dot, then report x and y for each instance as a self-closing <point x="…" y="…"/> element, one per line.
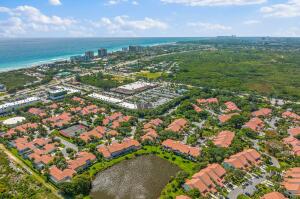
<point x="207" y="180"/>
<point x="208" y="101"/>
<point x="197" y="108"/>
<point x="264" y="112"/>
<point x="97" y="132"/>
<point x="226" y="117"/>
<point x="291" y="115"/>
<point x="291" y="181"/>
<point x="111" y="118"/>
<point x="182" y="197"/>
<point x="255" y="124"/>
<point x="58" y="176"/>
<point x="243" y="160"/>
<point x="294" y="131"/>
<point x="292" y="141"/>
<point x="91" y="109"/>
<point x="21" y="128"/>
<point x="83" y="160"/>
<point x="117" y="123"/>
<point x="273" y="195"/>
<point x="78" y="99"/>
<point x="183" y="149"/>
<point x="177" y="125"/>
<point x="53" y="106"/>
<point x="116" y="149"/>
<point x="150" y="135"/>
<point x="153" y="123"/>
<point x="224" y="139"/>
<point x="60" y="120"/>
<point x="37" y="111"/>
<point x="231" y="106"/>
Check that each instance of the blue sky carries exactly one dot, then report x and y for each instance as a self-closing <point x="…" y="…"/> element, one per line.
<point x="148" y="18"/>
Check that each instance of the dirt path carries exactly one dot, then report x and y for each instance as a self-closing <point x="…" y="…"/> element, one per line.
<point x="28" y="170"/>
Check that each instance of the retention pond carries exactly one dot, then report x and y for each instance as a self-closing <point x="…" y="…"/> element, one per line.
<point x="141" y="178"/>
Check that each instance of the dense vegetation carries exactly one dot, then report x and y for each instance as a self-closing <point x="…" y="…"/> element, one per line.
<point x="102" y="81"/>
<point x="14" y="80"/>
<point x="15" y="183"/>
<point x="274" y="73"/>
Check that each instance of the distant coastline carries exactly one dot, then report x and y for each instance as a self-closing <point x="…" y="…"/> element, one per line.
<point x="12" y="64"/>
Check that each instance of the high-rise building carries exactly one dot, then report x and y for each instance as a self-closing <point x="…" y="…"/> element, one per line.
<point x="102" y="52"/>
<point x="89" y="54"/>
<point x="136" y="48"/>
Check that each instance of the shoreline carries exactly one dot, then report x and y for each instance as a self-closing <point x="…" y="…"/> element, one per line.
<point x="67" y="58"/>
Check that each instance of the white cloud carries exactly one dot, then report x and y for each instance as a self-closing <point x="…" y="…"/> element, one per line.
<point x="209" y="26"/>
<point x="121" y="24"/>
<point x="116" y="2"/>
<point x="55" y="2"/>
<point x="215" y="2"/>
<point x="289" y="9"/>
<point x="27" y="19"/>
<point x="251" y="22"/>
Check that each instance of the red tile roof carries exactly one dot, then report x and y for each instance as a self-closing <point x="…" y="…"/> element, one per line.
<point x="262" y="112"/>
<point x="231" y="107"/>
<point x="244" y="159"/>
<point x="197" y="108"/>
<point x="182" y="148"/>
<point x="290" y="115"/>
<point x="153" y="123"/>
<point x="22" y="128"/>
<point x="108" y="151"/>
<point x="295" y="143"/>
<point x="224" y="139"/>
<point x="207" y="179"/>
<point x="97" y="132"/>
<point x="60" y="175"/>
<point x="151" y="134"/>
<point x="37" y="111"/>
<point x="255" y="124"/>
<point x="111" y="118"/>
<point x="81" y="159"/>
<point x="292" y="181"/>
<point x="78" y="99"/>
<point x="274" y="195"/>
<point x="91" y="109"/>
<point x="294" y="131"/>
<point x="227" y="117"/>
<point x="60" y="120"/>
<point x="208" y="101"/>
<point x="182" y="197"/>
<point x="177" y="125"/>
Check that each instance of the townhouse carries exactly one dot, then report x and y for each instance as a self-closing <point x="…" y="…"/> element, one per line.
<point x="207" y="180"/>
<point x="224" y="139"/>
<point x="291" y="181"/>
<point x="177" y="125"/>
<point x="243" y="160"/>
<point x="182" y="149"/>
<point x="117" y="149"/>
<point x="255" y="124"/>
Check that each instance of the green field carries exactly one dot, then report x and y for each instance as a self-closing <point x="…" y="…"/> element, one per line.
<point x="265" y="72"/>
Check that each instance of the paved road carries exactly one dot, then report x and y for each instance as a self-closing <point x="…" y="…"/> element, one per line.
<point x="28" y="170"/>
<point x="248" y="189"/>
<point x="67" y="145"/>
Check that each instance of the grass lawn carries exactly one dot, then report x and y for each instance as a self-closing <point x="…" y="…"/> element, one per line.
<point x="149" y="75"/>
<point x="184" y="164"/>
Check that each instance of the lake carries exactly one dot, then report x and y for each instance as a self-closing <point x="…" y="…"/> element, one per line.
<point x="141" y="178"/>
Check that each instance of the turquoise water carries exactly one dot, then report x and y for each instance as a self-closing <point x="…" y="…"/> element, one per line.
<point x="22" y="53"/>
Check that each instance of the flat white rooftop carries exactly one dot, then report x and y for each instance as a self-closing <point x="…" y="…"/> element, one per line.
<point x="136" y="85"/>
<point x="20" y="102"/>
<point x="14" y="120"/>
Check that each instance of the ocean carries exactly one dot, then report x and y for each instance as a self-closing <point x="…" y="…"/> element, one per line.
<point x="16" y="53"/>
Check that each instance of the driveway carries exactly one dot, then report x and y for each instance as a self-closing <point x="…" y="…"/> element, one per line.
<point x="248" y="189"/>
<point x="67" y="145"/>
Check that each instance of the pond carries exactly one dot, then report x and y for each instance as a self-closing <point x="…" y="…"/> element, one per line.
<point x="141" y="178"/>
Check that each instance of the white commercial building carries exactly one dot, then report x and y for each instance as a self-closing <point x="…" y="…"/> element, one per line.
<point x="12" y="106"/>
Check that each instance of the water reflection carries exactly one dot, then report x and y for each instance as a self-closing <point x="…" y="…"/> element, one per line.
<point x="141" y="178"/>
